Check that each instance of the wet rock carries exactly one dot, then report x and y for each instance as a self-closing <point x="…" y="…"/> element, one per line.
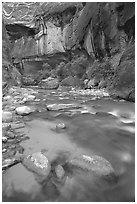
<point x="11" y="108"/>
<point x="49" y="83"/>
<point x="37" y="100"/>
<point x="4" y="139"/>
<point x="24" y="110"/>
<point x="59" y="171"/>
<point x="61" y="106"/>
<point x="61" y="126"/>
<point x="8" y="163"/>
<point x="93" y="164"/>
<point x="6" y="116"/>
<point x="29" y="98"/>
<point x="6" y="126"/>
<point x="4" y="150"/>
<point x="17" y="126"/>
<point x="7" y="98"/>
<point x="37" y="163"/>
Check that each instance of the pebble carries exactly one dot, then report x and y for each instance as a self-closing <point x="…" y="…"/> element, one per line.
<point x="61" y="126"/>
<point x="6" y="116"/>
<point x="4" y="139"/>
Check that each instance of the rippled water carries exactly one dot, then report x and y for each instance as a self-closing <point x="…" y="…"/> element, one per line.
<point x="104" y="127"/>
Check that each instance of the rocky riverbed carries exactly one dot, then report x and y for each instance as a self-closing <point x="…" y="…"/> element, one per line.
<point x="67" y="145"/>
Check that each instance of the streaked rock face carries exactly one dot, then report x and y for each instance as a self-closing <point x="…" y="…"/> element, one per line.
<point x="40" y="28"/>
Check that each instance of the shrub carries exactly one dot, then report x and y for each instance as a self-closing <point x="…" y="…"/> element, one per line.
<point x="78" y="66"/>
<point x="62" y="71"/>
<point x="100" y="70"/>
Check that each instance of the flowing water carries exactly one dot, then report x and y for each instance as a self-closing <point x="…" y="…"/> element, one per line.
<point x="102" y="126"/>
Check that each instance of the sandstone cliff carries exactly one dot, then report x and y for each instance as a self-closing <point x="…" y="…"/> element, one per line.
<point x="103" y="30"/>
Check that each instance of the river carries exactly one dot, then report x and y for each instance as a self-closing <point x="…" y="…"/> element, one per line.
<point x="99" y="125"/>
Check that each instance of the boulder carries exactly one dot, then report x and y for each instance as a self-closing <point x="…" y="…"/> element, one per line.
<point x="6" y="116"/>
<point x="49" y="83"/>
<point x="24" y="110"/>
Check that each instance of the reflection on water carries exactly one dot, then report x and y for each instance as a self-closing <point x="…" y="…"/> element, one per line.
<point x="103" y="126"/>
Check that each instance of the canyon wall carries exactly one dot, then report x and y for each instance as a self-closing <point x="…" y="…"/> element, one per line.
<point x="103" y="30"/>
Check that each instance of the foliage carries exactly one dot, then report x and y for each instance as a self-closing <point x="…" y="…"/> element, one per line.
<point x="62" y="71"/>
<point x="75" y="68"/>
<point x="100" y="70"/>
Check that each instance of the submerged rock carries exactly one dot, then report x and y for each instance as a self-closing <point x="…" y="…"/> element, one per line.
<point x="94" y="164"/>
<point x="6" y="116"/>
<point x="59" y="171"/>
<point x="61" y="126"/>
<point x="37" y="163"/>
<point x="24" y="110"/>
